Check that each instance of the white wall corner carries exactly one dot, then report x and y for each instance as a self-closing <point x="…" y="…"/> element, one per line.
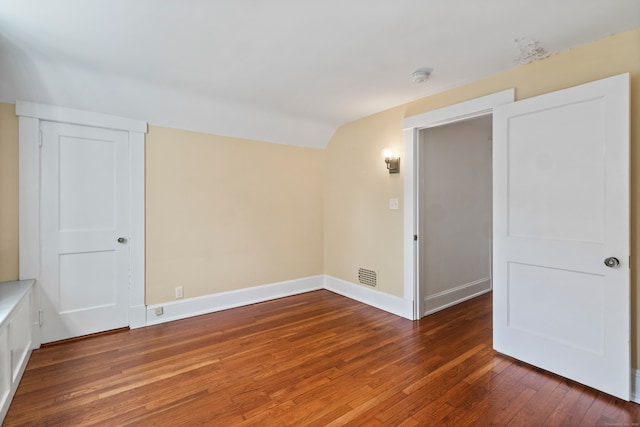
<point x="387" y="302"/>
<point x="635" y="385"/>
<point x="190" y="307"/>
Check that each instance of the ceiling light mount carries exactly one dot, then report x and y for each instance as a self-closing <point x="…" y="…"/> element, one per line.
<point x="421" y="75"/>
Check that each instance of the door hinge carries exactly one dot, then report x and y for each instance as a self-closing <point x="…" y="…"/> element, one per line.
<point x="40" y="139"/>
<point x="415" y="237"/>
<point x="40" y="318"/>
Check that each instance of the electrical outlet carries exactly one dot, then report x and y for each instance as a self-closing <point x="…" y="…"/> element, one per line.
<point x="159" y="311"/>
<point x="393" y="204"/>
<point x="179" y="292"/>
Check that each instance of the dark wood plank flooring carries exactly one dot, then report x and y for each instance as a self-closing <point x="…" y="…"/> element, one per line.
<point x="316" y="359"/>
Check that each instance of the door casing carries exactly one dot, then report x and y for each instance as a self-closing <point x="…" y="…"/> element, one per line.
<point x="30" y="115"/>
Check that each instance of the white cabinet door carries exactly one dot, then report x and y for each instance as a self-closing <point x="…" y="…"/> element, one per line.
<point x="5" y="368"/>
<point x="84" y="212"/>
<point x="561" y="208"/>
<point x="20" y="336"/>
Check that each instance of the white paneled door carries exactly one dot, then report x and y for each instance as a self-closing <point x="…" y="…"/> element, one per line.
<point x="84" y="230"/>
<point x="561" y="233"/>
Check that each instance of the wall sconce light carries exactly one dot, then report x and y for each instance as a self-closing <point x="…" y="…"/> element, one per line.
<point x="393" y="162"/>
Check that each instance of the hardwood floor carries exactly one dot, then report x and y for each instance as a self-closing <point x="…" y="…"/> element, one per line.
<point x="313" y="359"/>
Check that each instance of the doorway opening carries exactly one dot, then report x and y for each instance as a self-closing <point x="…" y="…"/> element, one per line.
<point x="454" y="212"/>
<point x="413" y="126"/>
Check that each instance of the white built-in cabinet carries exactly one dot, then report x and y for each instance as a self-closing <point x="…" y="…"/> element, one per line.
<point x="17" y="318"/>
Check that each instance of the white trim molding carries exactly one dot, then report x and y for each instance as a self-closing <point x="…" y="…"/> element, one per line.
<point x="387" y="302"/>
<point x="137" y="229"/>
<point x="182" y="309"/>
<point x="54" y="113"/>
<point x="30" y="115"/>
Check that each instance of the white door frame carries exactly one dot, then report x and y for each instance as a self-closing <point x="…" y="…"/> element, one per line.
<point x="29" y="139"/>
<point x="411" y="126"/>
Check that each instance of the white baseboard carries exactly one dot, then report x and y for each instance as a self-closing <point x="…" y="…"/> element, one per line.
<point x="182" y="309"/>
<point x="387" y="302"/>
<point x="450" y="297"/>
<point x="635" y="385"/>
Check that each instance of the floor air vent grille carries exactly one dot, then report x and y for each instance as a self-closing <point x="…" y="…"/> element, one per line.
<point x="368" y="277"/>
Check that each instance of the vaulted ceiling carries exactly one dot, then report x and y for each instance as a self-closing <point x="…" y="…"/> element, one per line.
<point x="286" y="71"/>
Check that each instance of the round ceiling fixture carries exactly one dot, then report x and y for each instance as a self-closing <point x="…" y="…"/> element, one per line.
<point x="421" y="75"/>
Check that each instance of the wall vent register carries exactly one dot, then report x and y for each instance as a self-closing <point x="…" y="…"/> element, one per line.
<point x="368" y="277"/>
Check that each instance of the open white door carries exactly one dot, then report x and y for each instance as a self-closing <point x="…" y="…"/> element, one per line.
<point x="561" y="212"/>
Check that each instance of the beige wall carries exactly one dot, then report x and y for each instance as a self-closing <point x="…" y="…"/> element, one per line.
<point x="356" y="187"/>
<point x="360" y="230"/>
<point x="8" y="193"/>
<point x="226" y="213"/>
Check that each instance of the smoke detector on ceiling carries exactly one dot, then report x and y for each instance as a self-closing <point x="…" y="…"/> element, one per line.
<point x="421" y="75"/>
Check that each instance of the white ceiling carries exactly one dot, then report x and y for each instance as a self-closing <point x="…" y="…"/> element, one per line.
<point x="286" y="71"/>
